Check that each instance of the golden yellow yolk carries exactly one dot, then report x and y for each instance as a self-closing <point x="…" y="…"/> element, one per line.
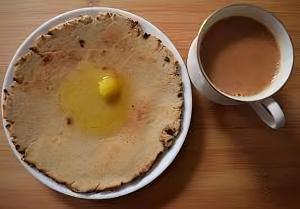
<point x="84" y="96"/>
<point x="109" y="88"/>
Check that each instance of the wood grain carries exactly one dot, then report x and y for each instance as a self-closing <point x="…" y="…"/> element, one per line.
<point x="230" y="158"/>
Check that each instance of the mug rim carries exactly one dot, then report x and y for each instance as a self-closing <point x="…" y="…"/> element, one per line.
<point x="217" y="90"/>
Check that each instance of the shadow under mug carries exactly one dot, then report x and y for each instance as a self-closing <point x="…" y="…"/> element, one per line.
<point x="263" y="104"/>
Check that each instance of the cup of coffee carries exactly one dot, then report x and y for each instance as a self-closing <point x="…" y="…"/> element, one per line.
<point x="242" y="54"/>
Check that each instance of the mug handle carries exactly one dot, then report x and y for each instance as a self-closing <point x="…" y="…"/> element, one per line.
<point x="270" y="112"/>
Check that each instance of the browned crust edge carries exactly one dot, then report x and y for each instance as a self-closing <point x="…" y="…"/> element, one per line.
<point x="167" y="136"/>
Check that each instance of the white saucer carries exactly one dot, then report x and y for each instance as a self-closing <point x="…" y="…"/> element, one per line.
<point x="164" y="161"/>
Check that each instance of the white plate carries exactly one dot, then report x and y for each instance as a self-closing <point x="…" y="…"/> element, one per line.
<point x="165" y="159"/>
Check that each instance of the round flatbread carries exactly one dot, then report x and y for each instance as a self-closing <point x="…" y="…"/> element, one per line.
<point x="54" y="122"/>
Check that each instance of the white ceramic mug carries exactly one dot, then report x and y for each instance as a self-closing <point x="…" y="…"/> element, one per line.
<point x="263" y="104"/>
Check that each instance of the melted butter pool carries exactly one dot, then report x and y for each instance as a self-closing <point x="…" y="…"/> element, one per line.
<point x="81" y="101"/>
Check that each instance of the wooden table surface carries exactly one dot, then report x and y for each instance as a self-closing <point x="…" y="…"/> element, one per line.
<point x="230" y="158"/>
